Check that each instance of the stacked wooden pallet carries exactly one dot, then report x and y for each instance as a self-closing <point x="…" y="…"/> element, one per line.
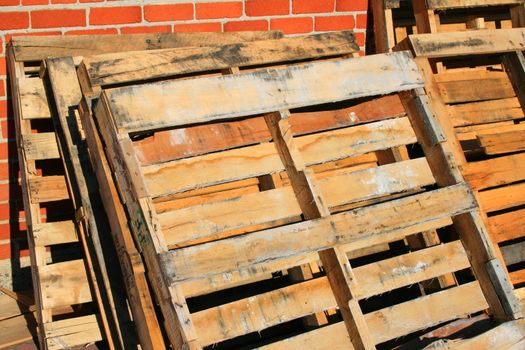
<point x="274" y="194"/>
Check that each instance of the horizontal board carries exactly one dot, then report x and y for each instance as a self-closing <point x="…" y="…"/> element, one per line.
<point x="486" y="89"/>
<point x="477" y="42"/>
<point x="48" y="189"/>
<point x="51" y="233"/>
<point x="172" y="103"/>
<point x="33" y="99"/>
<point x="450" y="4"/>
<point x="40" y="146"/>
<point x="508" y="336"/>
<point x="16" y="330"/>
<point x="241" y="163"/>
<point x="508" y="140"/>
<point x="496" y="172"/>
<point x="259" y="312"/>
<point x="27" y="48"/>
<point x="361" y="227"/>
<point x="514" y="253"/>
<point x="399" y="320"/>
<point x="485" y="112"/>
<point x="280" y="204"/>
<point x="502" y="197"/>
<point x="146" y="65"/>
<point x="504" y="227"/>
<point x="72" y="332"/>
<point x="64" y="284"/>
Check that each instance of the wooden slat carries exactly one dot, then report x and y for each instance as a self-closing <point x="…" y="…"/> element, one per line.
<point x="481" y="42"/>
<point x="262" y="159"/>
<point x="353" y="227"/>
<point x="280" y="204"/>
<point x="485" y="112"/>
<point x="16" y="330"/>
<point x="52" y="233"/>
<point x="517" y="277"/>
<point x="71" y="332"/>
<point x="495" y="172"/>
<point x="33" y="99"/>
<point x="504" y="227"/>
<point x="64" y="284"/>
<point x="126" y="67"/>
<point x="267" y="310"/>
<point x="504" y="336"/>
<point x="259" y="92"/>
<point x="502" y="197"/>
<point x="514" y="253"/>
<point x="486" y="89"/>
<point x="508" y="140"/>
<point x="10" y="307"/>
<point x="40" y="146"/>
<point x="36" y="49"/>
<point x="450" y="4"/>
<point x="48" y="189"/>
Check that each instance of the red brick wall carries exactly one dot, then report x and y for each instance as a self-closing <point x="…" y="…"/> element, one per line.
<point x="66" y="17"/>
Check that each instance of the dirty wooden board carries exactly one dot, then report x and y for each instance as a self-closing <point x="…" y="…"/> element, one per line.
<point x="298" y="242"/>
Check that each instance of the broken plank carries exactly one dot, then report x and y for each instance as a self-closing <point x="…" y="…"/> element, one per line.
<point x="263" y="91"/>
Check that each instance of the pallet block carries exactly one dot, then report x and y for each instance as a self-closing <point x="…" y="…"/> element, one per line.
<point x="486" y="122"/>
<point x="233" y="244"/>
<point x="71" y="283"/>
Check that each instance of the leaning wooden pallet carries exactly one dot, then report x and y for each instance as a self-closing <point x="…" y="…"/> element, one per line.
<point x="394" y="20"/>
<point x="487" y="123"/>
<point x="194" y="247"/>
<point x="32" y="112"/>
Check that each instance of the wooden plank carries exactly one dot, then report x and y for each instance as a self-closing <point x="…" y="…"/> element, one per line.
<point x="16" y="330"/>
<point x="266" y="310"/>
<point x="517" y="277"/>
<point x="502" y="197"/>
<point x="349" y="227"/>
<point x="504" y="227"/>
<point x="126" y="67"/>
<point x="503" y="336"/>
<point x="64" y="284"/>
<point x="71" y="332"/>
<point x="481" y="42"/>
<point x="487" y="89"/>
<point x="33" y="99"/>
<point x="48" y="189"/>
<point x="496" y="171"/>
<point x="259" y="92"/>
<point x="514" y="253"/>
<point x="509" y="140"/>
<point x="29" y="48"/>
<point x="52" y="233"/>
<point x="40" y="146"/>
<point x="262" y="159"/>
<point x="280" y="204"/>
<point x="450" y="4"/>
<point x="10" y="307"/>
<point x="485" y="112"/>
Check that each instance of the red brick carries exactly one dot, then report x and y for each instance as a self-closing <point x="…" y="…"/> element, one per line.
<point x="91" y="1"/>
<point x="239" y="26"/>
<point x="334" y="23"/>
<point x="218" y="10"/>
<point x="115" y="15"/>
<point x="267" y="7"/>
<point x="8" y="128"/>
<point x="9" y="2"/>
<point x="92" y="31"/>
<point x="292" y="25"/>
<point x="4" y="171"/>
<point x="360" y="39"/>
<point x="3" y="66"/>
<point x="309" y="6"/>
<point x="11" y="211"/>
<point x="198" y="27"/>
<point x="3" y="109"/>
<point x="153" y="29"/>
<point x="58" y="18"/>
<point x="4" y="192"/>
<point x="361" y="21"/>
<point x="1" y="46"/>
<point x="14" y="20"/>
<point x="5" y="251"/>
<point x="63" y="1"/>
<point x="351" y="5"/>
<point x="2" y="88"/>
<point x="163" y="13"/>
<point x="35" y="2"/>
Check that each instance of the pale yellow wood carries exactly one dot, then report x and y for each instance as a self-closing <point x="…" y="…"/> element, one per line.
<point x="51" y="233"/>
<point x="450" y="4"/>
<point x="10" y="307"/>
<point x="72" y="332"/>
<point x="485" y="112"/>
<point x="16" y="330"/>
<point x="33" y="99"/>
<point x="64" y="284"/>
<point x="48" y="188"/>
<point x="40" y="146"/>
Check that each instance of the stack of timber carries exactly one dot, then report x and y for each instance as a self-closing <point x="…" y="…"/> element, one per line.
<point x="481" y="106"/>
<point x="394" y="20"/>
<point x="79" y="296"/>
<point x="221" y="224"/>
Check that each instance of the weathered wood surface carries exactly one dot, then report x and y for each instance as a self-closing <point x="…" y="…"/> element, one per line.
<point x="162" y="105"/>
<point x="450" y="4"/>
<point x="481" y="42"/>
<point x="32" y="48"/>
<point x="127" y="67"/>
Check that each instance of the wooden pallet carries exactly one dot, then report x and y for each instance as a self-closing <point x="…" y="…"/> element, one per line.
<point x="395" y="20"/>
<point x="486" y="122"/>
<point x="40" y="156"/>
<point x="310" y="211"/>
